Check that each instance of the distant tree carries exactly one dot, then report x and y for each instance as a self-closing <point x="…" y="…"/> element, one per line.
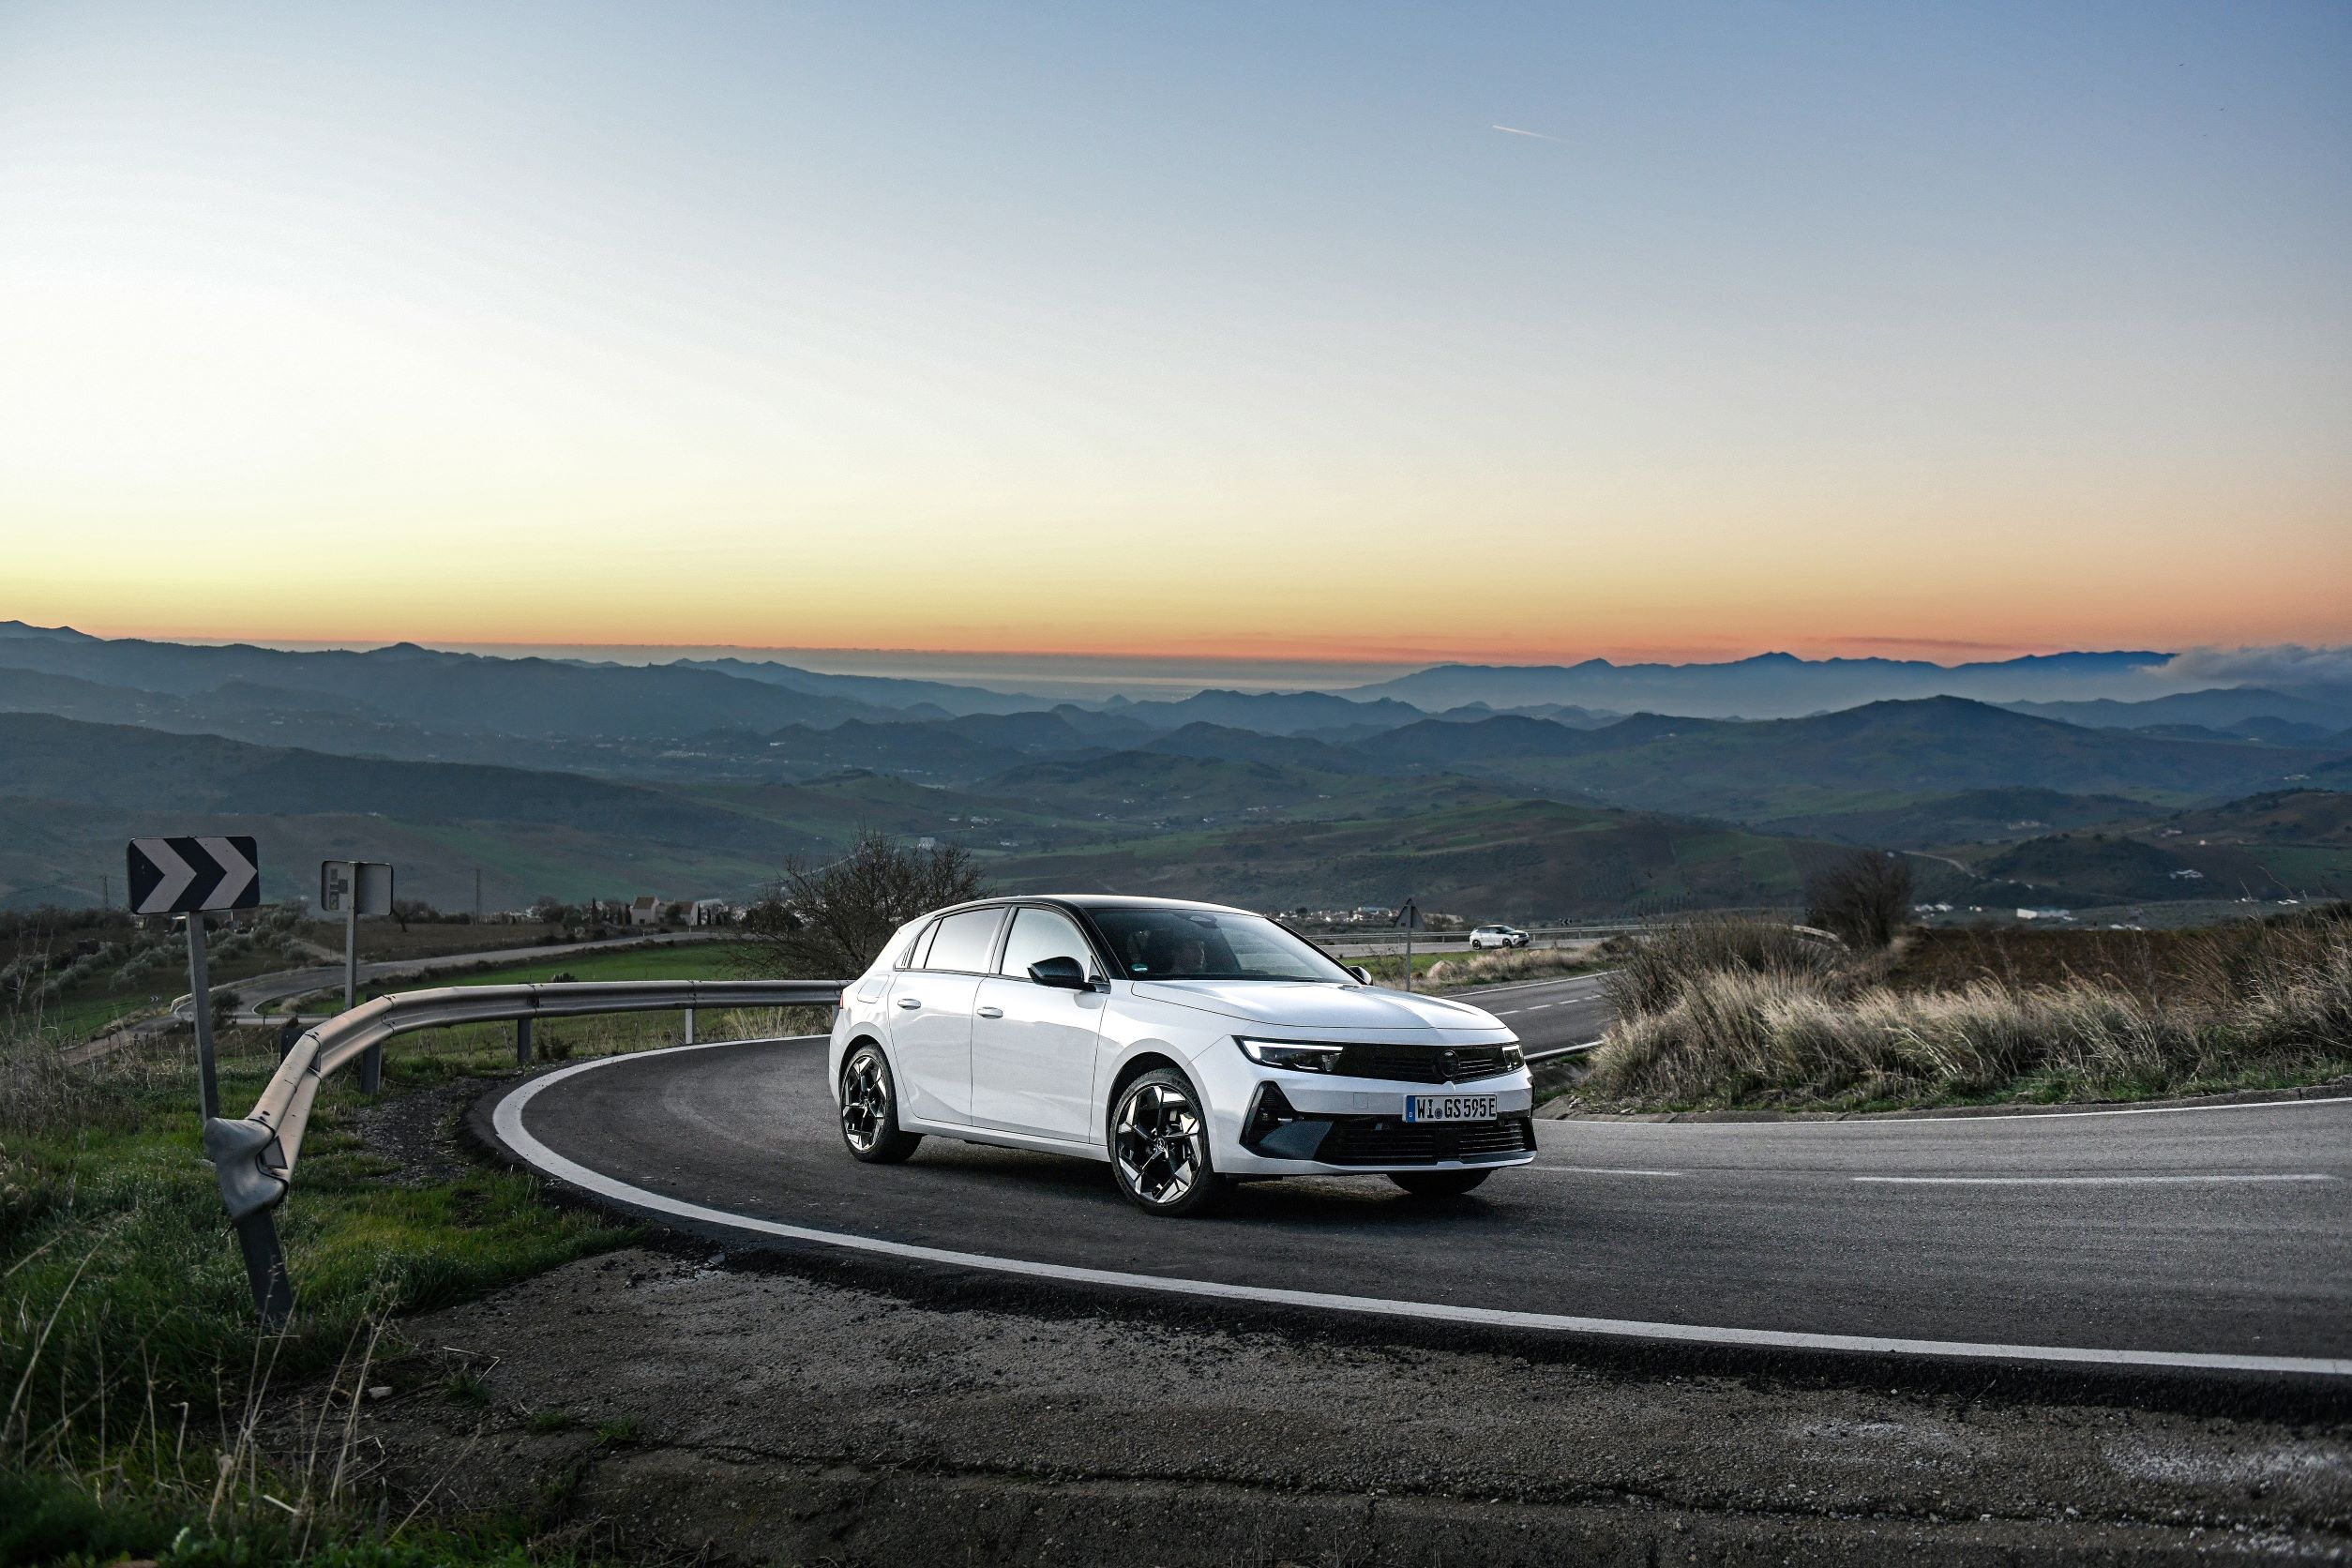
<point x="406" y="910"/>
<point x="830" y="921"/>
<point x="1866" y="898"/>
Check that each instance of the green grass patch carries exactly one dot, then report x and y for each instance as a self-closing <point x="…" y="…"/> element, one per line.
<point x="126" y="1325"/>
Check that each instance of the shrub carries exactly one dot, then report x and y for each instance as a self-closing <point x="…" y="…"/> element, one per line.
<point x="1728" y="1010"/>
<point x="1864" y="898"/>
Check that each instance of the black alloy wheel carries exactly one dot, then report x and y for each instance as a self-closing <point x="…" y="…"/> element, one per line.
<point x="870" y="1109"/>
<point x="1159" y="1146"/>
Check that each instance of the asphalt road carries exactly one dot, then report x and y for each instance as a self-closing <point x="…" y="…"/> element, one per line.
<point x="2205" y="1232"/>
<point x="1546" y="1015"/>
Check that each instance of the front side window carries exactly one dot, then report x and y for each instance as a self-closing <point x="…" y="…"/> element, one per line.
<point x="1040" y="934"/>
<point x="1208" y="945"/>
<point x="964" y="941"/>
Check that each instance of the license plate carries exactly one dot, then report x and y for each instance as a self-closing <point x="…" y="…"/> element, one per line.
<point x="1449" y="1108"/>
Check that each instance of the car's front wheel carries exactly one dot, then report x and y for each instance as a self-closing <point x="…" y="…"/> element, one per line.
<point x="1438" y="1183"/>
<point x="870" y="1109"/>
<point x="1159" y="1146"/>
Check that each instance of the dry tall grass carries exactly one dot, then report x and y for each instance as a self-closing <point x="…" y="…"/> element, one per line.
<point x="1510" y="963"/>
<point x="1729" y="1012"/>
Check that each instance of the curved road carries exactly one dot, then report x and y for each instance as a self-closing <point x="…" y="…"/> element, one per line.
<point x="2215" y="1238"/>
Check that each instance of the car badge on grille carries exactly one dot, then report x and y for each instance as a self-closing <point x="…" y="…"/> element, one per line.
<point x="1446" y="1061"/>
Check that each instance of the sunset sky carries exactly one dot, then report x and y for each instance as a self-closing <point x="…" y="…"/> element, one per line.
<point x="1298" y="332"/>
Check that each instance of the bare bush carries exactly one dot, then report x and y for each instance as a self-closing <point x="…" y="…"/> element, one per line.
<point x="830" y="921"/>
<point x="1866" y="898"/>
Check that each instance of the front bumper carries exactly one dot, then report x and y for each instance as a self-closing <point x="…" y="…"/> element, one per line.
<point x="1301" y="1124"/>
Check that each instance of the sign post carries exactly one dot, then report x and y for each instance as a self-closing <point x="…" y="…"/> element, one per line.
<point x="189" y="876"/>
<point x="356" y="888"/>
<point x="1409" y="917"/>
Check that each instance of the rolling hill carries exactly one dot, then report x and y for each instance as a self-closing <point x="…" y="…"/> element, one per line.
<point x="1884" y="754"/>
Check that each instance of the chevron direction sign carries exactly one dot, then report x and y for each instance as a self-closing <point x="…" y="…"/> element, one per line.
<point x="176" y="876"/>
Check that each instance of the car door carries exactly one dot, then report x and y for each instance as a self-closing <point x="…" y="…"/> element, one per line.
<point x="930" y="1015"/>
<point x="1032" y="1046"/>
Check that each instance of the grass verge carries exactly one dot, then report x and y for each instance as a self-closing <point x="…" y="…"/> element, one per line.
<point x="138" y="1414"/>
<point x="1726" y="1012"/>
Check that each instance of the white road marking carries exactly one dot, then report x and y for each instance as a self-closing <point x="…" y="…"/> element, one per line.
<point x="507" y="1120"/>
<point x="2008" y="1121"/>
<point x="2078" y="1181"/>
<point x="1600" y="1170"/>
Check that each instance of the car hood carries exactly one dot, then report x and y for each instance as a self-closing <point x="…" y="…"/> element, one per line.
<point x="1315" y="1005"/>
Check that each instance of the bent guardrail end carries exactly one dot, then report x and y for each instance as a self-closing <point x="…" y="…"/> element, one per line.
<point x="248" y="1165"/>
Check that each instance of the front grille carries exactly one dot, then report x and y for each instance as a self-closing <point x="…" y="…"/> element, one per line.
<point x="1423" y="1064"/>
<point x="1386" y="1141"/>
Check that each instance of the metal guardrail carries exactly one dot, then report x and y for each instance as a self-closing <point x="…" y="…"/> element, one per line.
<point x="253" y="1156"/>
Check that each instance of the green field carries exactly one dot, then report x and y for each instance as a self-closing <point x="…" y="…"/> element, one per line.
<point x="699" y="960"/>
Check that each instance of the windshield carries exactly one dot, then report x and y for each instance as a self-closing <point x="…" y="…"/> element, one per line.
<point x="1208" y="945"/>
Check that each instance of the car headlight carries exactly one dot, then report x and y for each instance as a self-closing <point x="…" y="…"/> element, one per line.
<point x="1290" y="1055"/>
<point x="1513" y="1058"/>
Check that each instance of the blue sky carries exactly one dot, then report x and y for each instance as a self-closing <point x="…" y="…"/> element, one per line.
<point x="1796" y="325"/>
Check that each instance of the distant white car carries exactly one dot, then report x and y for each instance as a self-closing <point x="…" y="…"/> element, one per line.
<point x="1187" y="1045"/>
<point x="1498" y="936"/>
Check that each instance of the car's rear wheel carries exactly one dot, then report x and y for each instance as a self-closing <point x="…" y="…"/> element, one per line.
<point x="1438" y="1183"/>
<point x="1159" y="1146"/>
<point x="870" y="1109"/>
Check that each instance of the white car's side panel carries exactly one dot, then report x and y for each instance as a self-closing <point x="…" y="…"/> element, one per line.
<point x="1032" y="1064"/>
<point x="927" y="1030"/>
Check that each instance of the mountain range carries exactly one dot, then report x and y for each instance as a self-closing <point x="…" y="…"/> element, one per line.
<point x="572" y="776"/>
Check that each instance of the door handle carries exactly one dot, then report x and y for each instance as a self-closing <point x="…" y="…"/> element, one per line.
<point x="992" y="1012"/>
<point x="909" y="1002"/>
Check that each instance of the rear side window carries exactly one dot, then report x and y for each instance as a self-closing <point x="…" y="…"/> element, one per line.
<point x="921" y="946"/>
<point x="964" y="943"/>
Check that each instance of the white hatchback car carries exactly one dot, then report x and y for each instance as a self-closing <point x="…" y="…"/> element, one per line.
<point x="1498" y="936"/>
<point x="1187" y="1045"/>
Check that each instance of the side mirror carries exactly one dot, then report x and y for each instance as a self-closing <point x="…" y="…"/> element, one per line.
<point x="1363" y="975"/>
<point x="1062" y="974"/>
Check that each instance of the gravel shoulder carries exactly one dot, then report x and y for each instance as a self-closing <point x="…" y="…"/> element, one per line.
<point x="766" y="1416"/>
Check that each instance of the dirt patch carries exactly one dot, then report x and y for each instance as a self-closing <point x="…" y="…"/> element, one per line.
<point x="656" y="1403"/>
<point x="419" y="1131"/>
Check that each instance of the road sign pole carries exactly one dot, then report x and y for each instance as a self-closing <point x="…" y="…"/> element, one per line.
<point x="199" y="997"/>
<point x="371" y="1060"/>
<point x="1408" y="954"/>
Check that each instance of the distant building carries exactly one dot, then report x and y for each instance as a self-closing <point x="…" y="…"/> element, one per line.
<point x="645" y="910"/>
<point x="2045" y="914"/>
<point x="2188" y="873"/>
<point x="710" y="912"/>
